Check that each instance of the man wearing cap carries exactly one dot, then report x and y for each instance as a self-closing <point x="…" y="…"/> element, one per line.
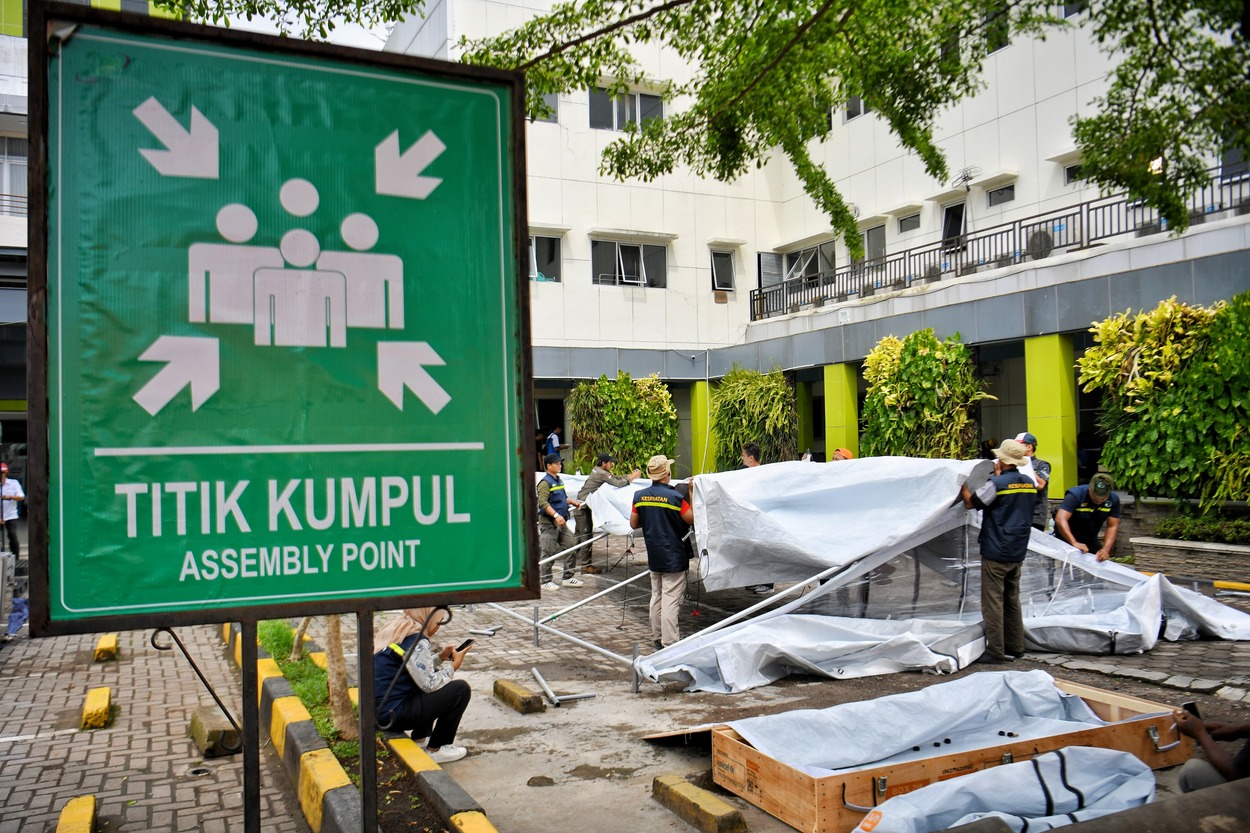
<point x="1085" y="509"/>
<point x="10" y="493"/>
<point x="553" y="528"/>
<point x="601" y="474"/>
<point x="1039" y="470"/>
<point x="843" y="454"/>
<point x="1006" y="501"/>
<point x="664" y="517"/>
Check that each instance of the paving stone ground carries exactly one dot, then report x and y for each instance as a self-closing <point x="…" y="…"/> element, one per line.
<point x="144" y="769"/>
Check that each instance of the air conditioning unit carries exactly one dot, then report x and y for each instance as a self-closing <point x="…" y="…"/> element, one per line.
<point x="1041" y="244"/>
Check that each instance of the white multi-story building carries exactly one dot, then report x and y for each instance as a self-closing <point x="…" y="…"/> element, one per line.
<point x="686" y="277"/>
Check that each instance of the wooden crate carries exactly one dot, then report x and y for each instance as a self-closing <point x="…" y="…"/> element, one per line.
<point x="836" y="803"/>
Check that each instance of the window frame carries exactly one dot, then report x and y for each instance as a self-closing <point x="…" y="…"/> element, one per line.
<point x="534" y="271"/>
<point x="806" y="263"/>
<point x="1003" y="194"/>
<point x="1072" y="174"/>
<point x="727" y="256"/>
<point x="902" y="220"/>
<point x="643" y="254"/>
<point x="996" y="25"/>
<point x="1234" y="164"/>
<point x="956" y="240"/>
<point x="870" y="259"/>
<point x="552" y="100"/>
<point x="626" y="109"/>
<point x="855" y="107"/>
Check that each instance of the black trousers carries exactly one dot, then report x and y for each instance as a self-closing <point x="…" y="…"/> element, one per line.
<point x="435" y="715"/>
<point x="11" y="529"/>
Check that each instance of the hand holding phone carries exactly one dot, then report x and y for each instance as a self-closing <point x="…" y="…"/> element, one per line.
<point x="464" y="645"/>
<point x="1192" y="708"/>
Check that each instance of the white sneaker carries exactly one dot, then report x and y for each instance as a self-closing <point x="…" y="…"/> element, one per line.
<point x="422" y="742"/>
<point x="448" y="753"/>
<point x="573" y="582"/>
<point x="551" y="585"/>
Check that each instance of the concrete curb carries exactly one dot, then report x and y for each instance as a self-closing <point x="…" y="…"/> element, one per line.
<point x="696" y="806"/>
<point x="519" y="698"/>
<point x="331" y="803"/>
<point x="77" y="816"/>
<point x="106" y="648"/>
<point x="329" y="800"/>
<point x="96" y="710"/>
<point x="449" y="799"/>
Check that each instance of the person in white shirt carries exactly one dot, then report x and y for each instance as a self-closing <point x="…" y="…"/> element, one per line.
<point x="10" y="493"/>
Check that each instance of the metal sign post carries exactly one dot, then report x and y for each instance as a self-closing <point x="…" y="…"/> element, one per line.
<point x="279" y="332"/>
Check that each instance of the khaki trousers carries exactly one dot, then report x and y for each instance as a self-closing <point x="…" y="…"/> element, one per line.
<point x="666" y="592"/>
<point x="1000" y="607"/>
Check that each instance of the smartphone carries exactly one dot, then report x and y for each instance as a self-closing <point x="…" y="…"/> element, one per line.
<point x="464" y="645"/>
<point x="1192" y="708"/>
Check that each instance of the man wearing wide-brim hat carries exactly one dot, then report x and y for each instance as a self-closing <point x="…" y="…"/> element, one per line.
<point x="664" y="516"/>
<point x="1006" y="504"/>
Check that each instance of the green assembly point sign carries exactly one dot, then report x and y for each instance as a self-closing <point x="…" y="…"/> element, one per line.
<point x="284" y="329"/>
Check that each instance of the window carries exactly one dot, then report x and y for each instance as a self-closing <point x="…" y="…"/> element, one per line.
<point x="1001" y="195"/>
<point x="1233" y="164"/>
<point x="874" y="246"/>
<point x="1072" y="173"/>
<point x="908" y="223"/>
<point x="628" y="264"/>
<point x="997" y="22"/>
<point x="608" y="113"/>
<point x="723" y="271"/>
<point x="13" y="176"/>
<point x="769" y="269"/>
<point x="1073" y="9"/>
<point x="545" y="259"/>
<point x="953" y="225"/>
<point x="810" y="263"/>
<point x="552" y="100"/>
<point x="855" y="107"/>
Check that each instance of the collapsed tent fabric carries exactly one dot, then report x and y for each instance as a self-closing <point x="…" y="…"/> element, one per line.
<point x="902" y="564"/>
<point x="1055" y="789"/>
<point x="957" y="716"/>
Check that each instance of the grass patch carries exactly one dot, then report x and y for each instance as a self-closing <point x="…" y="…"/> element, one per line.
<point x="311" y="685"/>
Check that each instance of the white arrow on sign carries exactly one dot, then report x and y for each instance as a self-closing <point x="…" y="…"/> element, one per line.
<point x="400" y="175"/>
<point x="193" y="362"/>
<point x="192" y="153"/>
<point x="400" y="364"/>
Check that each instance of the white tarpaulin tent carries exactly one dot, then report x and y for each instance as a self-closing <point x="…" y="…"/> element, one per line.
<point x="903" y="591"/>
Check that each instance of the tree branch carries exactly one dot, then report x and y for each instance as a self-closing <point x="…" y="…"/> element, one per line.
<point x="598" y="33"/>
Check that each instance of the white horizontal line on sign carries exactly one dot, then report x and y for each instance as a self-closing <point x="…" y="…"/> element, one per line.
<point x="157" y="451"/>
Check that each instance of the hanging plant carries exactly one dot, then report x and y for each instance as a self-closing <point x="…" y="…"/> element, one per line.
<point x="749" y="406"/>
<point x="631" y="419"/>
<point x="921" y="398"/>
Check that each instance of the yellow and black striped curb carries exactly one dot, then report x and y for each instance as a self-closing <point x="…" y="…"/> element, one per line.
<point x="449" y="799"/>
<point x="331" y="803"/>
<point x="696" y="806"/>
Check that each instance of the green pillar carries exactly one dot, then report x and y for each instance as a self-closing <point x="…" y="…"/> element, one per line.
<point x="803" y="404"/>
<point x="841" y="408"/>
<point x="702" y="443"/>
<point x="1050" y="390"/>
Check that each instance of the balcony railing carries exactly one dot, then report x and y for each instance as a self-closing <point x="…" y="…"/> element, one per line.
<point x="1032" y="238"/>
<point x="13" y="205"/>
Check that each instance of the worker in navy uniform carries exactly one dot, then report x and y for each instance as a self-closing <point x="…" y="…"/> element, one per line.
<point x="1006" y="501"/>
<point x="664" y="516"/>
<point x="554" y="534"/>
<point x="1085" y="509"/>
<point x="413" y="686"/>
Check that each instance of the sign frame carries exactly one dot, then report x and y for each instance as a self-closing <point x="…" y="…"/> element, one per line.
<point x="45" y="19"/>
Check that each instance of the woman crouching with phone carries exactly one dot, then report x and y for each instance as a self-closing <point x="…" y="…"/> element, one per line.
<point x="413" y="687"/>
